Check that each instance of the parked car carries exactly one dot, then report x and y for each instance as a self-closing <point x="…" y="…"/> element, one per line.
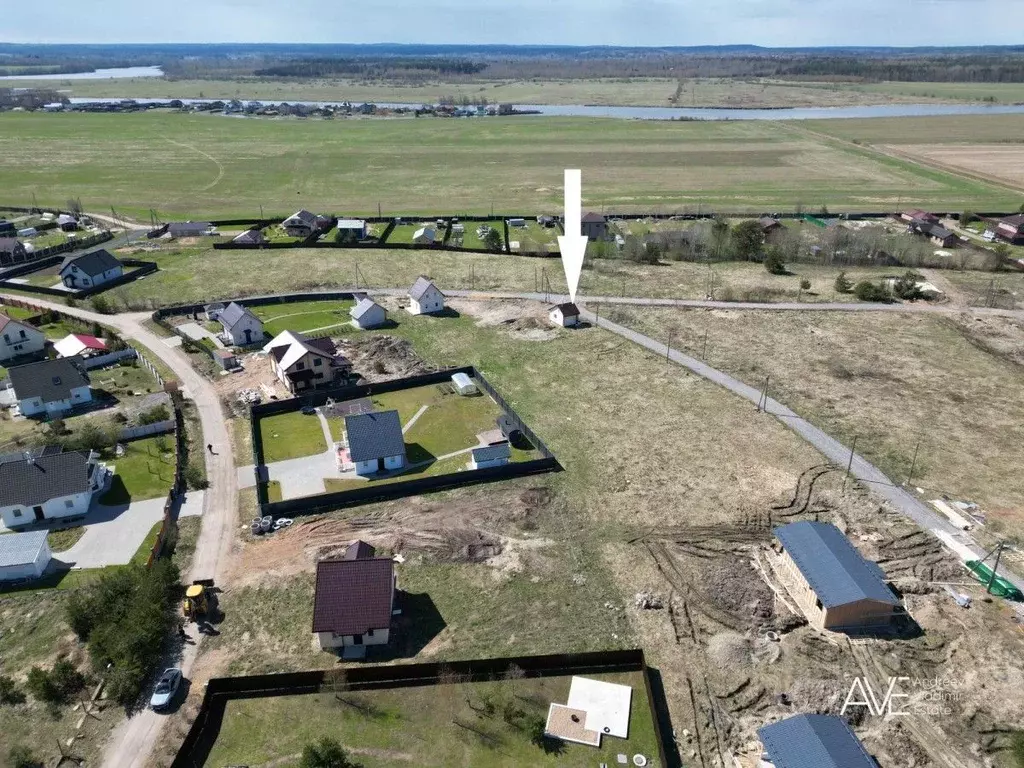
<point x="308" y="410"/>
<point x="166" y="687"/>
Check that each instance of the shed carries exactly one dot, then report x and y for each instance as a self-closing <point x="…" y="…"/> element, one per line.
<point x="424" y="236"/>
<point x="424" y="297"/>
<point x="463" y="384"/>
<point x="565" y="315"/>
<point x="812" y="741"/>
<point x="23" y="555"/>
<point x="517" y="223"/>
<point x="225" y="359"/>
<point x="835" y="586"/>
<point x="490" y="456"/>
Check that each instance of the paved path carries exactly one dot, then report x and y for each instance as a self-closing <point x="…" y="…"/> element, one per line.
<point x="132" y="741"/>
<point x="113" y="534"/>
<point x="196" y="332"/>
<point x="835" y="451"/>
<point x="415" y="418"/>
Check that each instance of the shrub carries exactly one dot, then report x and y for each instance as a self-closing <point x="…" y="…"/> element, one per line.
<point x="326" y="753"/>
<point x="773" y="263"/>
<point x="195" y="479"/>
<point x="494" y="240"/>
<point x="906" y="287"/>
<point x="21" y="756"/>
<point x="868" y="291"/>
<point x="842" y="283"/>
<point x="41" y="686"/>
<point x="967" y="217"/>
<point x="101" y="305"/>
<point x="155" y="415"/>
<point x="9" y="693"/>
<point x="747" y="239"/>
<point x="805" y="284"/>
<point x="56" y="686"/>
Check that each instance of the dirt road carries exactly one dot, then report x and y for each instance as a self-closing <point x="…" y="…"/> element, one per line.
<point x="131" y="743"/>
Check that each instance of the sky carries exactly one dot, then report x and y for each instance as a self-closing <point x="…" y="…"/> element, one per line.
<point x="776" y="23"/>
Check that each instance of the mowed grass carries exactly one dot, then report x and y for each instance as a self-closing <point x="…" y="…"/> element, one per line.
<point x="291" y="436"/>
<point x="304" y="316"/>
<point x="888" y="380"/>
<point x="422" y="726"/>
<point x="146" y="471"/>
<point x="205" y="166"/>
<point x="945" y="129"/>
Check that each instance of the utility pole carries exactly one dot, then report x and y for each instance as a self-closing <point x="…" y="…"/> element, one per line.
<point x="995" y="568"/>
<point x="704" y="354"/>
<point x="357" y="275"/>
<point x="668" y="346"/>
<point x="379" y="214"/>
<point x="849" y="464"/>
<point x="913" y="464"/>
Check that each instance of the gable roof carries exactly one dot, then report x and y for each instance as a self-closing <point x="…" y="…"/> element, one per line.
<point x="374" y="435"/>
<point x="359" y="550"/>
<point x="233" y="313"/>
<point x="187" y="227"/>
<point x="288" y="347"/>
<point x="364" y="306"/>
<point x="491" y="452"/>
<point x="51" y="380"/>
<point x="93" y="263"/>
<point x="1016" y="221"/>
<point x="814" y="741"/>
<point x="250" y="236"/>
<point x="353" y="596"/>
<point x="767" y="222"/>
<point x="568" y="309"/>
<point x="77" y="343"/>
<point x="6" y="321"/>
<point x="428" y="232"/>
<point x="66" y="218"/>
<point x="21" y="548"/>
<point x="10" y="245"/>
<point x="304" y="216"/>
<point x="421" y="286"/>
<point x="48" y="476"/>
<point x="836" y="571"/>
<point x="593" y="218"/>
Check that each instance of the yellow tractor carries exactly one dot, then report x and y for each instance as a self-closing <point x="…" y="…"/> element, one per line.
<point x="197" y="600"/>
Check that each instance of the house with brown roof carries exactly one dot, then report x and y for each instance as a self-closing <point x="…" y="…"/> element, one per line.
<point x="564" y="315"/>
<point x="1012" y="228"/>
<point x="354" y="601"/>
<point x="594" y="226"/>
<point x="918" y="215"/>
<point x="303" y="364"/>
<point x="12" y="251"/>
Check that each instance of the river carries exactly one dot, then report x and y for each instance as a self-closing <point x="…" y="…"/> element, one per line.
<point x="674" y="113"/>
<point x="96" y="74"/>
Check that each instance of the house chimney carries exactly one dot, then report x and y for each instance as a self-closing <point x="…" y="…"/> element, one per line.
<point x="30" y="458"/>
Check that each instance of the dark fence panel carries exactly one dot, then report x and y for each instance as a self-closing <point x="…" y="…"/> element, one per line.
<point x="142" y="268"/>
<point x="202" y="736"/>
<point x="378" y="246"/>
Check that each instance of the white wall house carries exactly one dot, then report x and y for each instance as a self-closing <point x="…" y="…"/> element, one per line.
<point x="375" y="442"/>
<point x="50" y="387"/>
<point x="564" y="315"/>
<point x="89" y="270"/>
<point x="425" y="298"/>
<point x="302" y="364"/>
<point x="18" y="338"/>
<point x="47" y="485"/>
<point x="240" y="326"/>
<point x="424" y="236"/>
<point x="354" y="600"/>
<point x="368" y="314"/>
<point x="23" y="555"/>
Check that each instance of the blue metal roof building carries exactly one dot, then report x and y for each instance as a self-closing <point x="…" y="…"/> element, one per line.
<point x="813" y="741"/>
<point x="838" y="576"/>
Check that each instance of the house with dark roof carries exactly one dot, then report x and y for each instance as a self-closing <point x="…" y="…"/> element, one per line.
<point x="1011" y="229"/>
<point x="189" y="229"/>
<point x="67" y="222"/>
<point x="424" y="297"/>
<point x="12" y="251"/>
<point x="90" y="269"/>
<point x="48" y="484"/>
<point x="565" y="315"/>
<point x="250" y="237"/>
<point x="303" y="364"/>
<point x="935" y="232"/>
<point x="490" y="456"/>
<point x="375" y="442"/>
<point x="300" y="224"/>
<point x="834" y="585"/>
<point x="240" y="326"/>
<point x="18" y="338"/>
<point x="23" y="555"/>
<point x="50" y="387"/>
<point x="918" y="215"/>
<point x="354" y="601"/>
<point x="368" y="314"/>
<point x="812" y="741"/>
<point x="594" y="226"/>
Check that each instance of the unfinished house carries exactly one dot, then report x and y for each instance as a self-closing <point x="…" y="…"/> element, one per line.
<point x="833" y="584"/>
<point x="812" y="741"/>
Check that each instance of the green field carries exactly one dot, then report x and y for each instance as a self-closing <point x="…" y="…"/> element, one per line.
<point x="304" y="316"/>
<point x="427" y="726"/>
<point x="946" y="129"/>
<point x="202" y="165"/>
<point x="291" y="436"/>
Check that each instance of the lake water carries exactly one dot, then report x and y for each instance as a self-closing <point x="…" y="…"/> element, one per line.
<point x="669" y="113"/>
<point x="96" y="74"/>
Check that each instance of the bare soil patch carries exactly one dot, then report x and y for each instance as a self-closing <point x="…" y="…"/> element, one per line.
<point x="1004" y="162"/>
<point x="383" y="357"/>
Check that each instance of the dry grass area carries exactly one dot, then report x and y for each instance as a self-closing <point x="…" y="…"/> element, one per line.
<point x="1004" y="162"/>
<point x="889" y="380"/>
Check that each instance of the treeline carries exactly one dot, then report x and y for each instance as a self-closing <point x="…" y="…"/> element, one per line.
<point x="372" y="68"/>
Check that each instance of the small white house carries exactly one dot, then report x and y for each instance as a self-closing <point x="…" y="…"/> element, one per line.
<point x="23" y="555"/>
<point x="425" y="298"/>
<point x="368" y="314"/>
<point x="241" y="327"/>
<point x="18" y="338"/>
<point x="463" y="384"/>
<point x="375" y="442"/>
<point x="517" y="223"/>
<point x="50" y="387"/>
<point x="490" y="456"/>
<point x="47" y="484"/>
<point x="90" y="269"/>
<point x="565" y="315"/>
<point x="424" y="236"/>
<point x="354" y="601"/>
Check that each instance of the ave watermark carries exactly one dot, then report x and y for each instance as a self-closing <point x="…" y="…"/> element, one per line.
<point x="902" y="696"/>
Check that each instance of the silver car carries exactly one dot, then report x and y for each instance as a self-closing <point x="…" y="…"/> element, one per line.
<point x="166" y="687"/>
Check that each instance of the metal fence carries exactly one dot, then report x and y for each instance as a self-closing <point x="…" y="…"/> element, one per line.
<point x="147" y="430"/>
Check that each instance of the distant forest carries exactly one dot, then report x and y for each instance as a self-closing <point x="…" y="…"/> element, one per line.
<point x="423" y="62"/>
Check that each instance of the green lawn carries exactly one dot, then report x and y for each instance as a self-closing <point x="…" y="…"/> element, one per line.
<point x="304" y="316"/>
<point x="200" y="167"/>
<point x="470" y="239"/>
<point x="446" y="725"/>
<point x="291" y="436"/>
<point x="146" y="471"/>
<point x="65" y="538"/>
<point x="533" y="237"/>
<point x="403" y="233"/>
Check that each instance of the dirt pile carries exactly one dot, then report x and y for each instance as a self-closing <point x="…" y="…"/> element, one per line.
<point x="382" y="358"/>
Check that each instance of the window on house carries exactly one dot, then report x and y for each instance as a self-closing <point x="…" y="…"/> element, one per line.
<point x="369" y="633"/>
<point x="300" y="366"/>
<point x="17" y="513"/>
<point x="817" y="604"/>
<point x="69" y="503"/>
<point x="317" y="362"/>
<point x="7" y="338"/>
<point x="23" y="335"/>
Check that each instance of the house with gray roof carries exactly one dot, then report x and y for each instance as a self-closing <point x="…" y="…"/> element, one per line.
<point x="90" y="269"/>
<point x="189" y="229"/>
<point x="23" y="555"/>
<point x="594" y="226"/>
<point x="250" y="237"/>
<point x="48" y="484"/>
<point x="835" y="586"/>
<point x="301" y="224"/>
<point x="12" y="251"/>
<point x="490" y="456"/>
<point x="241" y="327"/>
<point x="812" y="741"/>
<point x="424" y="297"/>
<point x="18" y="338"/>
<point x="368" y="314"/>
<point x="50" y="387"/>
<point x="375" y="442"/>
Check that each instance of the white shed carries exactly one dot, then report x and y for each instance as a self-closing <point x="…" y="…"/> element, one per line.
<point x="564" y="315"/>
<point x="463" y="384"/>
<point x="424" y="236"/>
<point x="23" y="555"/>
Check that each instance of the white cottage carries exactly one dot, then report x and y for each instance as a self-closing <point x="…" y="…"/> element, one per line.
<point x="89" y="270"/>
<point x="425" y="298"/>
<point x="565" y="315"/>
<point x="368" y="314"/>
<point x="50" y="387"/>
<point x="241" y="327"/>
<point x="18" y="338"/>
<point x="375" y="442"/>
<point x="354" y="601"/>
<point x="47" y="484"/>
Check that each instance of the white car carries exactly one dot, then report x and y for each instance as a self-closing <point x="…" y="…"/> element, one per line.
<point x="166" y="687"/>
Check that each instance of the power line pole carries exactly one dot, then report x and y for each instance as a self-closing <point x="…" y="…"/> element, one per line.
<point x="704" y="354"/>
<point x="849" y="464"/>
<point x="668" y="346"/>
<point x="913" y="464"/>
<point x="995" y="569"/>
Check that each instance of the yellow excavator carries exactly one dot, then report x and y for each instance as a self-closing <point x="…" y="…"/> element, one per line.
<point x="198" y="595"/>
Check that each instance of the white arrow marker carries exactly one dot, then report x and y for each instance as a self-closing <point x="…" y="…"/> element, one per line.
<point x="573" y="244"/>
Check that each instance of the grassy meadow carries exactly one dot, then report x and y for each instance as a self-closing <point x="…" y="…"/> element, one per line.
<point x="186" y="165"/>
